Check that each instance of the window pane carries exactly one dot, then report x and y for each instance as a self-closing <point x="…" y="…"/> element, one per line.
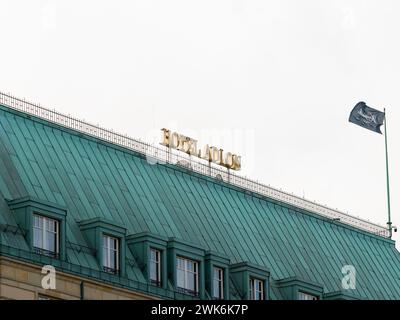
<point x="217" y="292"/>
<point x="50" y="225"/>
<point x="113" y="243"/>
<point x="260" y="289"/>
<point x="218" y="274"/>
<point x="155" y="265"/>
<point x="113" y="259"/>
<point x="153" y="271"/>
<point x="105" y="257"/>
<point x="218" y="283"/>
<point x="37" y="221"/>
<point x="50" y="241"/>
<point x="153" y="255"/>
<point x="37" y="238"/>
<point x="191" y="285"/>
<point x="105" y="241"/>
<point x="190" y="265"/>
<point x="180" y="264"/>
<point x="180" y="281"/>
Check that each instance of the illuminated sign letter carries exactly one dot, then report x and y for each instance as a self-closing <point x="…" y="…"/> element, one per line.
<point x="211" y="154"/>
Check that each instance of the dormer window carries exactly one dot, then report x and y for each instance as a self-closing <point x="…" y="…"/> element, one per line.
<point x="110" y="254"/>
<point x="294" y="288"/>
<point x="306" y="296"/>
<point x="150" y="251"/>
<point x="45" y="223"/>
<point x="256" y="287"/>
<point x="218" y="283"/>
<point x="251" y="281"/>
<point x="46" y="235"/>
<point x="155" y="267"/>
<point x="107" y="238"/>
<point x="187" y="276"/>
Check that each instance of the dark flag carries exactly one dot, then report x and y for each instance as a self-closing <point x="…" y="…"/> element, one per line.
<point x="367" y="117"/>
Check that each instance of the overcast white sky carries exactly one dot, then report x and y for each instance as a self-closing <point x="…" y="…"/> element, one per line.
<point x="274" y="81"/>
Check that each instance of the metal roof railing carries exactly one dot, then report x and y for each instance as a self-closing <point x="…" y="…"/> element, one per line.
<point x="161" y="154"/>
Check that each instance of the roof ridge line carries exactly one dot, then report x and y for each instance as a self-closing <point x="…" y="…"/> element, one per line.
<point x="158" y="154"/>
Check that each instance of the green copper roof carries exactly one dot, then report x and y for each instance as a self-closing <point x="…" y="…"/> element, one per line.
<point x="95" y="179"/>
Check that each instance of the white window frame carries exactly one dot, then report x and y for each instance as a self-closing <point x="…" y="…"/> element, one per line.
<point x="186" y="271"/>
<point x="253" y="288"/>
<point x="110" y="250"/>
<point x="301" y="295"/>
<point x="43" y="231"/>
<point x="157" y="262"/>
<point x="220" y="281"/>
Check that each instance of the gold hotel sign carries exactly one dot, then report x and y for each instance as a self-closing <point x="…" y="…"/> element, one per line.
<point x="211" y="154"/>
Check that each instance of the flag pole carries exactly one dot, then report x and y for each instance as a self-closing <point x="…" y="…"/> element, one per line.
<point x="389" y="223"/>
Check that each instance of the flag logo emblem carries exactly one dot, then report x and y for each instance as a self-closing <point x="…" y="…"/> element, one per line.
<point x="367" y="117"/>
